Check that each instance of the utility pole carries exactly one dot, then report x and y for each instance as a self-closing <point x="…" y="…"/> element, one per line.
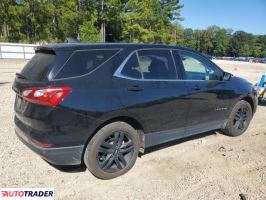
<point x="78" y="22"/>
<point x="102" y="23"/>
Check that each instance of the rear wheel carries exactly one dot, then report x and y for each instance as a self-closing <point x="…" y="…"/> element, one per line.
<point x="239" y="119"/>
<point x="112" y="151"/>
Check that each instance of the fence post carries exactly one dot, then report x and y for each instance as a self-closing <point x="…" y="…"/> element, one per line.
<point x="24" y="52"/>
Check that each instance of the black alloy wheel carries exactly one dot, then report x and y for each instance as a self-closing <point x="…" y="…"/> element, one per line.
<point x="115" y="152"/>
<point x="240" y="120"/>
<point x="112" y="151"/>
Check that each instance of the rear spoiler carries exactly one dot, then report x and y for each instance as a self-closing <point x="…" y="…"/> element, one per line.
<point x="44" y="50"/>
<point x="51" y="48"/>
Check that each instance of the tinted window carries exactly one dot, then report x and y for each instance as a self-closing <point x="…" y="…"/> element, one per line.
<point x="132" y="68"/>
<point x="197" y="68"/>
<point x="37" y="68"/>
<point x="83" y="62"/>
<point x="150" y="64"/>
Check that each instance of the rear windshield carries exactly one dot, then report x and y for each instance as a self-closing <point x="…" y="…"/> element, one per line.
<point x="83" y="62"/>
<point x="37" y="68"/>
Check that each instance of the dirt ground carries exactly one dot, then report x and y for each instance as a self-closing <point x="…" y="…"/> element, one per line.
<point x="213" y="166"/>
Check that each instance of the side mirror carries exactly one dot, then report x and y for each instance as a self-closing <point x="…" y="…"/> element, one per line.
<point x="227" y="76"/>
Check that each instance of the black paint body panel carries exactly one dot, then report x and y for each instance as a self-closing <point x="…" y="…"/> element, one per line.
<point x="165" y="110"/>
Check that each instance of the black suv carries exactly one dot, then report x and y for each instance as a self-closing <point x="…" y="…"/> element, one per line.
<point x="102" y="104"/>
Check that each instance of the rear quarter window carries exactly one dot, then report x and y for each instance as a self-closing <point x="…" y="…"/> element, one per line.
<point x="37" y="68"/>
<point x="84" y="61"/>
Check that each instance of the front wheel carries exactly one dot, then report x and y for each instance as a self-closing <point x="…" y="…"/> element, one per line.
<point x="239" y="119"/>
<point x="112" y="151"/>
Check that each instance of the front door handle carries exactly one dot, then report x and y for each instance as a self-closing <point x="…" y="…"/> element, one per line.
<point x="135" y="88"/>
<point x="196" y="87"/>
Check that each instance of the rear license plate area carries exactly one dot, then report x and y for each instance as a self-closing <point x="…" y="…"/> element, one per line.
<point x="19" y="104"/>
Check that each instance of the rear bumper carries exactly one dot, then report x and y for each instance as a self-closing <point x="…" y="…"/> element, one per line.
<point x="57" y="156"/>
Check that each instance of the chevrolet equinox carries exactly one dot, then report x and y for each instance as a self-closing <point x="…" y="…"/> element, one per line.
<point x="102" y="104"/>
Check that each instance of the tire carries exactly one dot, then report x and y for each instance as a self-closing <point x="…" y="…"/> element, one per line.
<point x="112" y="151"/>
<point x="239" y="119"/>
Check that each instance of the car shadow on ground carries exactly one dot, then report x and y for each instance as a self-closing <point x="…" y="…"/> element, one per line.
<point x="82" y="167"/>
<point x="176" y="142"/>
<point x="70" y="169"/>
<point x="3" y="83"/>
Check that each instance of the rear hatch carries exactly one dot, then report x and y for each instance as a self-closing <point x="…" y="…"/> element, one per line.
<point x="35" y="71"/>
<point x="35" y="97"/>
<point x="34" y="74"/>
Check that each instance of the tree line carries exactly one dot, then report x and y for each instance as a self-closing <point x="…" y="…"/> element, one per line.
<point x="218" y="41"/>
<point x="149" y="21"/>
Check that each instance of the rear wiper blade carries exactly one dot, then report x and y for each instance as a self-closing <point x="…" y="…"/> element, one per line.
<point x="21" y="76"/>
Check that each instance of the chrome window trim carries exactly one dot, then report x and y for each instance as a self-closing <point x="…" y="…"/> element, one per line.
<point x="72" y="54"/>
<point x="120" y="68"/>
<point x="169" y="80"/>
<point x="122" y="65"/>
<point x="173" y="58"/>
<point x="141" y="71"/>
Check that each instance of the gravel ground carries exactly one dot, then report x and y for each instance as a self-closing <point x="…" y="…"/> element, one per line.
<point x="212" y="166"/>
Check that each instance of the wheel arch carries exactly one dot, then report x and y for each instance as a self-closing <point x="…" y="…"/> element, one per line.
<point x="250" y="101"/>
<point x="127" y="119"/>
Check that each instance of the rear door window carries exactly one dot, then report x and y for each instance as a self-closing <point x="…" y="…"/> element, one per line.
<point x="83" y="62"/>
<point x="150" y="64"/>
<point x="37" y="68"/>
<point x="157" y="64"/>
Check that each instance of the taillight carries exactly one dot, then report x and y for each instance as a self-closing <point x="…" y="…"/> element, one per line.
<point x="42" y="144"/>
<point x="48" y="96"/>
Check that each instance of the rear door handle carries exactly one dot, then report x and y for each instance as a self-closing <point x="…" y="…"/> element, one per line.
<point x="135" y="88"/>
<point x="196" y="87"/>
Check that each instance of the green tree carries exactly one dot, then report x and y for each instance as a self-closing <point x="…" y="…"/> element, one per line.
<point x="260" y="44"/>
<point x="221" y="42"/>
<point x="89" y="33"/>
<point x="190" y="39"/>
<point x="206" y="41"/>
<point x="150" y="21"/>
<point x="5" y="18"/>
<point x="241" y="44"/>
